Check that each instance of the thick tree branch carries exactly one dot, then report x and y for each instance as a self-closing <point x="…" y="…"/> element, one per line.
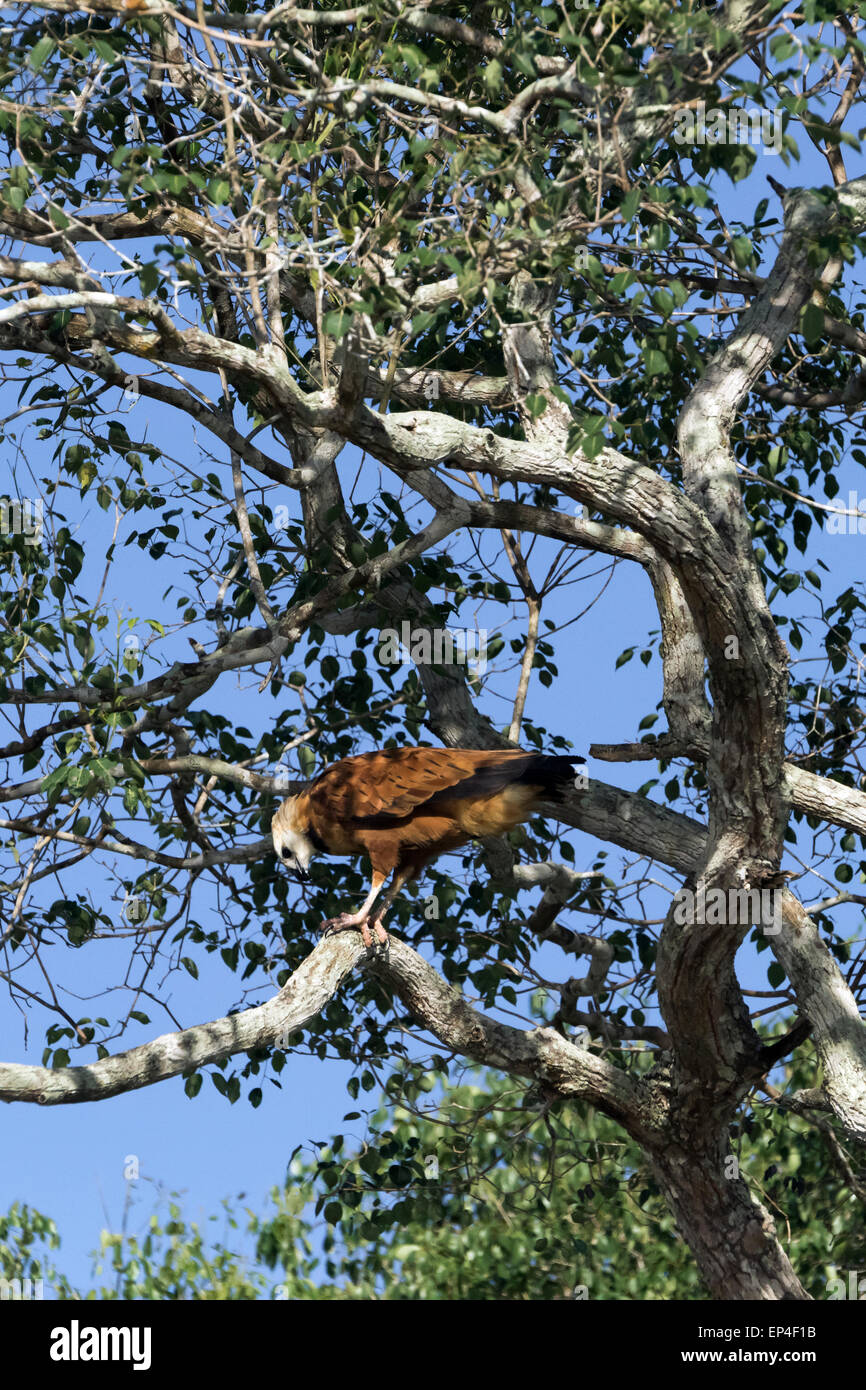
<point x="539" y="1053"/>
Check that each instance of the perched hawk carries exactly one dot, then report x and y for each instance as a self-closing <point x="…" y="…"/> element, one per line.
<point x="405" y="806"/>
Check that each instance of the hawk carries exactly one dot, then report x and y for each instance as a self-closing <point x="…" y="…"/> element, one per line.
<point x="405" y="806"/>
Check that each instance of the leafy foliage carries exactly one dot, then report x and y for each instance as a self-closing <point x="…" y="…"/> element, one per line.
<point x="359" y="196"/>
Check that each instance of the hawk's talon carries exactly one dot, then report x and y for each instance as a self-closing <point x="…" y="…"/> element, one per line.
<point x="346" y="920"/>
<point x="341" y="923"/>
<point x="381" y="934"/>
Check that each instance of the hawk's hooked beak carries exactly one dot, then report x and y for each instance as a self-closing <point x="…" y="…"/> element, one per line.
<point x="292" y="867"/>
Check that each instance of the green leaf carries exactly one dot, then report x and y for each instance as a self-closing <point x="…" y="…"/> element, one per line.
<point x="813" y="324"/>
<point x="56" y="780"/>
<point x="104" y="50"/>
<point x="630" y="204"/>
<point x="219" y="191"/>
<point x="493" y="75"/>
<point x="86" y="473"/>
<point x="656" y="362"/>
<point x="37" y="55"/>
<point x="337" y="323"/>
<point x="149" y="277"/>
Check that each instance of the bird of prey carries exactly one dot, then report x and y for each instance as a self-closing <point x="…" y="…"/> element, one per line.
<point x="404" y="806"/>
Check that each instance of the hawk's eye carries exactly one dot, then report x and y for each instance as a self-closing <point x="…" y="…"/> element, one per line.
<point x="284" y="852"/>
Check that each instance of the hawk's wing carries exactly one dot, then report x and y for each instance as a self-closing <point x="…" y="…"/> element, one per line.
<point x="392" y="783"/>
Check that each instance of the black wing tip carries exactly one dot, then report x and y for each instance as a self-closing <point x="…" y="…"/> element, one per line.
<point x="554" y="772"/>
<point x="559" y="759"/>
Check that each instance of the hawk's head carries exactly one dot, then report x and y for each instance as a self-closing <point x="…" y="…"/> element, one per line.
<point x="292" y="841"/>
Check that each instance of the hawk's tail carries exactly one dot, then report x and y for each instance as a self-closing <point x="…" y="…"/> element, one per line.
<point x="555" y="773"/>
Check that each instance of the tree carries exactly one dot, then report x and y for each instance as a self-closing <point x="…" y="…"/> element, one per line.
<point x="463" y="1191"/>
<point x="483" y="246"/>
